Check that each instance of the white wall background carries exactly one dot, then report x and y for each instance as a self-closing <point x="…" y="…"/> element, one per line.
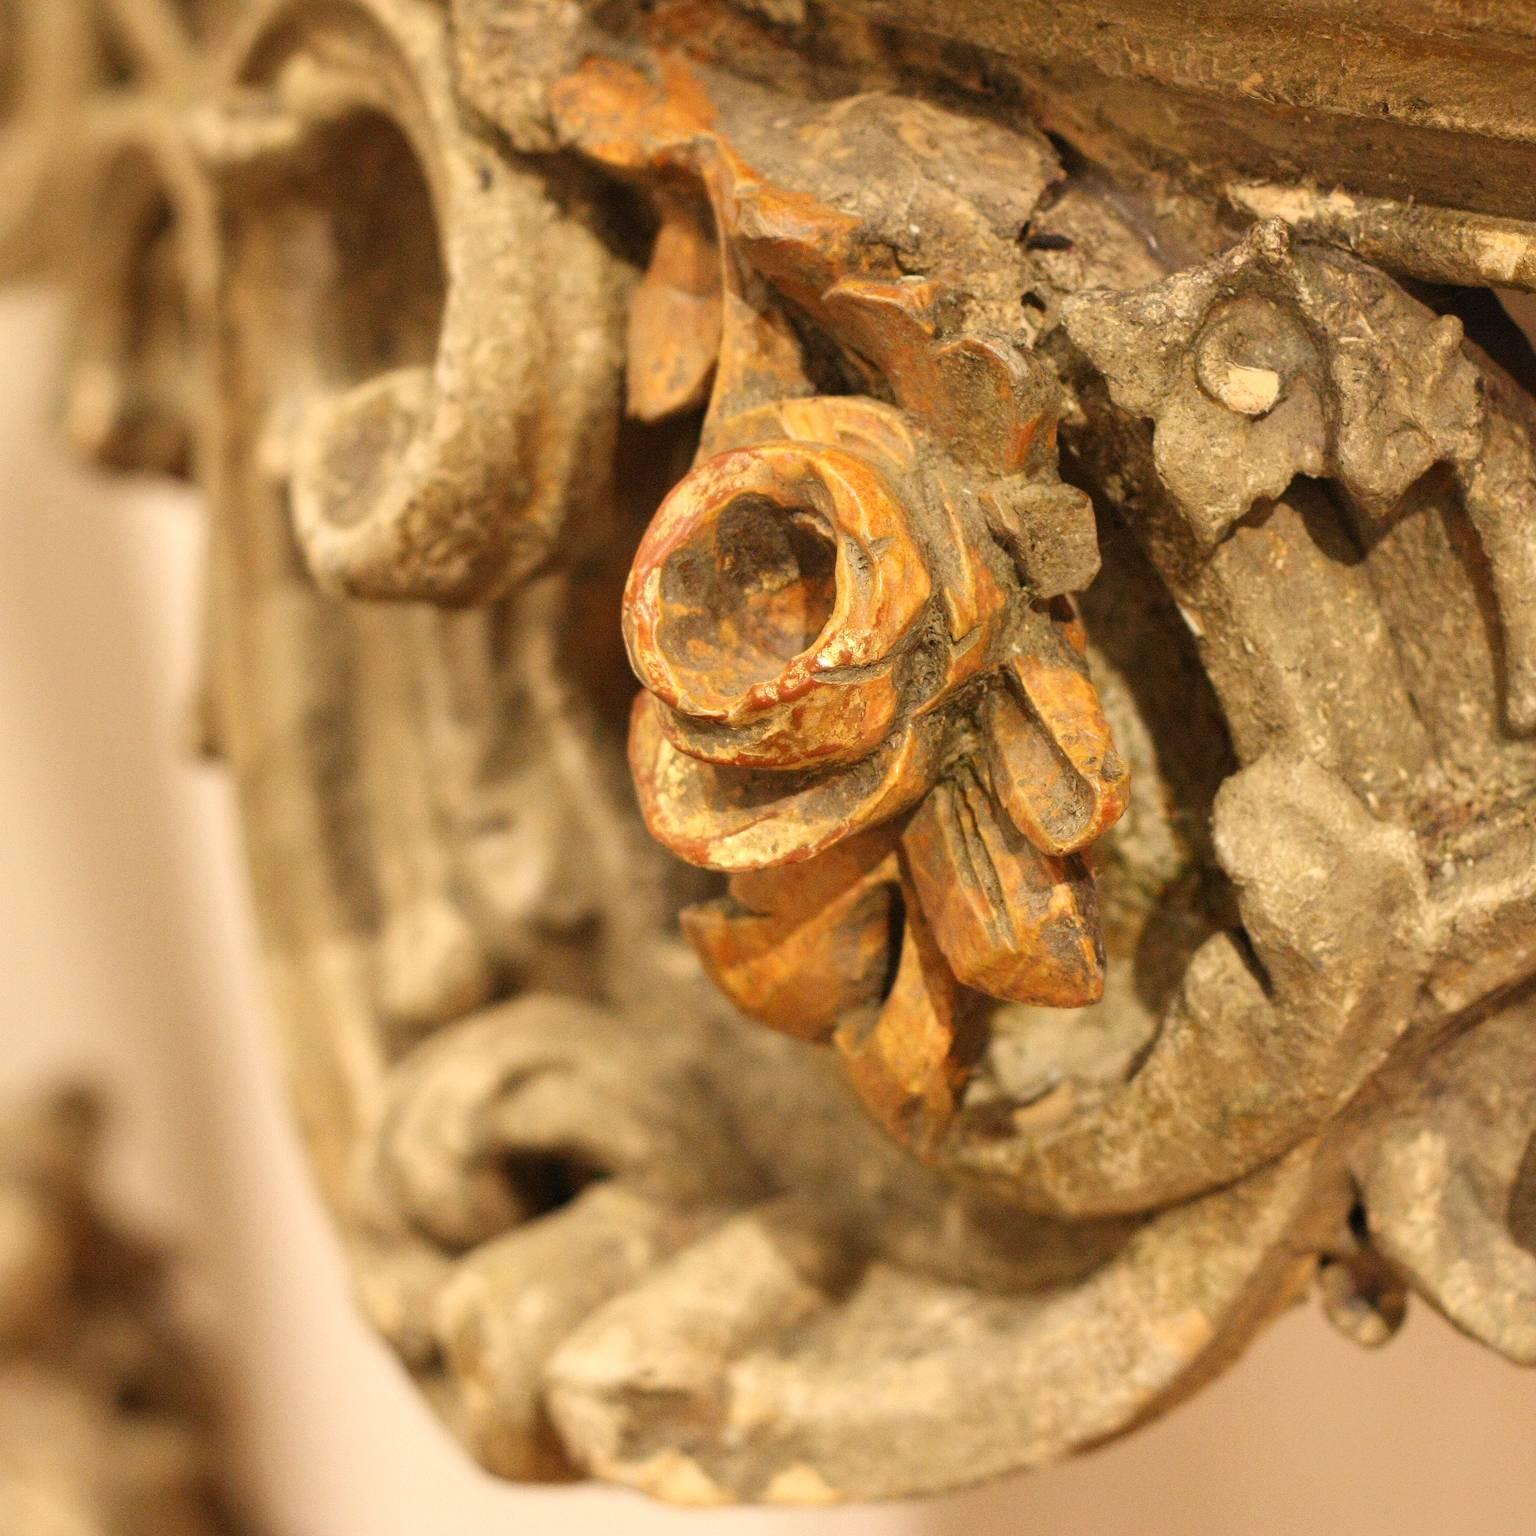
<point x="125" y="950"/>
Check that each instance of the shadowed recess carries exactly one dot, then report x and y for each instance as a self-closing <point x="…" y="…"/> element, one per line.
<point x="368" y="206"/>
<point x="546" y="1182"/>
<point x="749" y="591"/>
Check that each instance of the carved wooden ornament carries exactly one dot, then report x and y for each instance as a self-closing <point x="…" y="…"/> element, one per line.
<point x="1083" y="595"/>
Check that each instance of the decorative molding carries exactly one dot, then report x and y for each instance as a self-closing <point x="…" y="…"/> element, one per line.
<point x="1088" y="648"/>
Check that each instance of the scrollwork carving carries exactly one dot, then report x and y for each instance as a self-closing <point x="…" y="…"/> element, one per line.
<point x="1045" y="726"/>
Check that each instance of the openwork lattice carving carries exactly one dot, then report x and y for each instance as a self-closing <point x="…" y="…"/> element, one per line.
<point x="1086" y="619"/>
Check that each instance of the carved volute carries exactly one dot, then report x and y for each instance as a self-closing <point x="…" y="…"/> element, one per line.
<point x="1061" y="888"/>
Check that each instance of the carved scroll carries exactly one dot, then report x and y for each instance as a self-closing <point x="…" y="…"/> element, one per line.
<point x="1085" y="657"/>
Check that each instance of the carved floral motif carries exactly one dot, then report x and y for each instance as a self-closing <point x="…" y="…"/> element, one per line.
<point x="389" y="273"/>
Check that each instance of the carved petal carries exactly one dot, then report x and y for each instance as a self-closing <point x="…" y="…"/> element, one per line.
<point x="907" y="1063"/>
<point x="621" y="117"/>
<point x="889" y="325"/>
<point x="1048" y="528"/>
<point x="798" y="949"/>
<point x="1246" y="1065"/>
<point x="767" y="600"/>
<point x="981" y="394"/>
<point x="1011" y="921"/>
<point x="1053" y="763"/>
<point x="675" y="320"/>
<point x="735" y="819"/>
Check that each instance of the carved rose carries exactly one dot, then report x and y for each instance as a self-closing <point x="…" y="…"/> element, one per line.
<point x="855" y="709"/>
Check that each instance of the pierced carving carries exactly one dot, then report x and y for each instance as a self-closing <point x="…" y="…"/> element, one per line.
<point x="942" y="482"/>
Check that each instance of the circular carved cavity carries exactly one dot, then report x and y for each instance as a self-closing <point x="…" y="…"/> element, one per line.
<point x="546" y="1182"/>
<point x="747" y="591"/>
<point x="1248" y="353"/>
<point x="767" y="571"/>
